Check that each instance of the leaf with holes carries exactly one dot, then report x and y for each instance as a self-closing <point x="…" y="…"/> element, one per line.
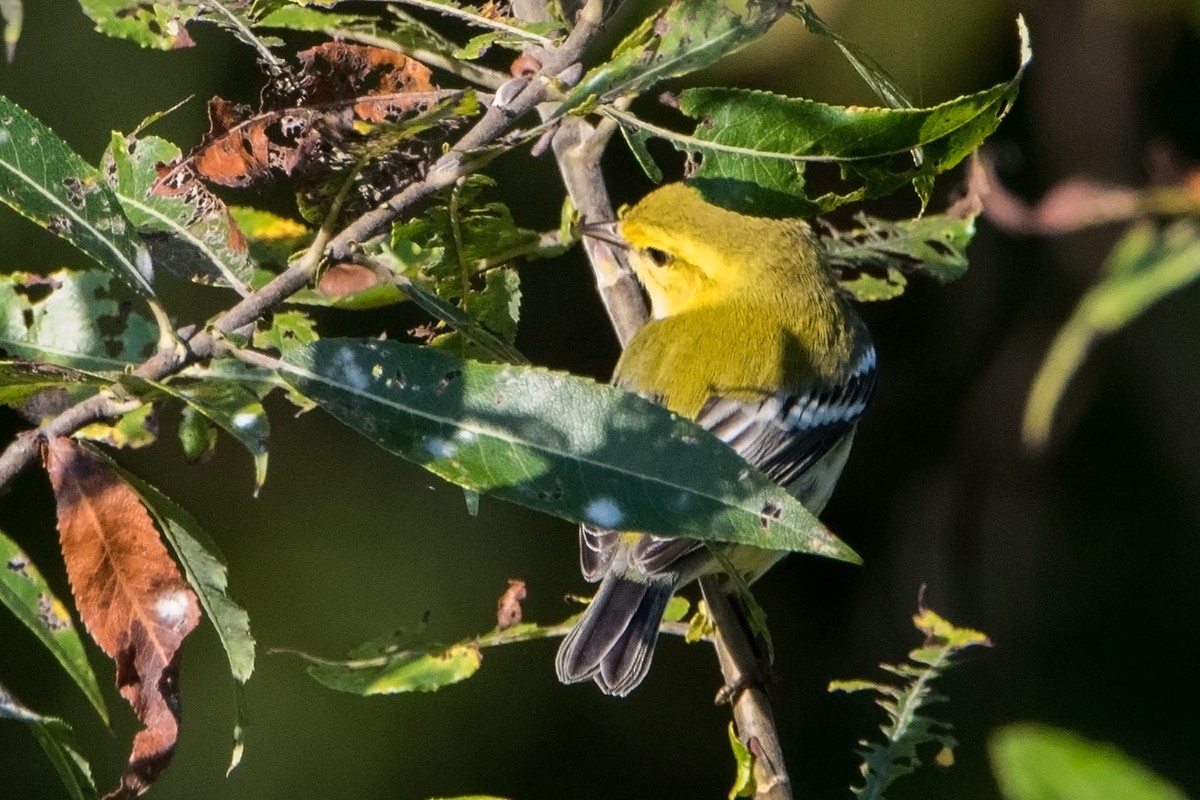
<point x="43" y="179"/>
<point x="873" y="261"/>
<point x="27" y="595"/>
<point x="190" y="232"/>
<point x="685" y="36"/>
<point x="75" y="319"/>
<point x="754" y="147"/>
<point x="129" y="594"/>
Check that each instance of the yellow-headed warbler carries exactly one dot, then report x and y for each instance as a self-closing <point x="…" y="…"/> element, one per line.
<point x="752" y="338"/>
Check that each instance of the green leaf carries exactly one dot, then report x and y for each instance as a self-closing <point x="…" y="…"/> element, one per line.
<point x="191" y="235"/>
<point x="12" y="14"/>
<point x="492" y="347"/>
<point x="425" y="671"/>
<point x="56" y="740"/>
<point x="197" y="435"/>
<point x="43" y="179"/>
<point x="874" y="260"/>
<point x="885" y="87"/>
<point x="743" y="779"/>
<point x="234" y="409"/>
<point x="158" y="25"/>
<point x="206" y="573"/>
<point x="26" y="594"/>
<point x="1037" y="762"/>
<point x="272" y="239"/>
<point x="1143" y="268"/>
<point x="636" y="139"/>
<point x="754" y="147"/>
<point x="685" y="36"/>
<point x="131" y="430"/>
<point x="21" y="381"/>
<point x="74" y="319"/>
<point x="479" y="45"/>
<point x="288" y="329"/>
<point x="554" y="442"/>
<point x="163" y="24"/>
<point x="908" y="729"/>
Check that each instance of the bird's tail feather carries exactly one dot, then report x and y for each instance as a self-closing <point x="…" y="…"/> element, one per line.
<point x="614" y="640"/>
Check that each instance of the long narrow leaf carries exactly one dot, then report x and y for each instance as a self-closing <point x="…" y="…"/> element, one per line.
<point x="56" y="740"/>
<point x="42" y="178"/>
<point x="27" y="595"/>
<point x="553" y="442"/>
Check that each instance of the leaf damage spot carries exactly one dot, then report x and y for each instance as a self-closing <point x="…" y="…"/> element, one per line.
<point x="20" y="565"/>
<point x="52" y="614"/>
<point x="771" y="511"/>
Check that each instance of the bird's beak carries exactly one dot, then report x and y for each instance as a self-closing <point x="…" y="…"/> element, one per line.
<point x="604" y="232"/>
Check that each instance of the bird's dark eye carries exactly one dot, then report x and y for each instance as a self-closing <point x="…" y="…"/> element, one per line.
<point x="659" y="257"/>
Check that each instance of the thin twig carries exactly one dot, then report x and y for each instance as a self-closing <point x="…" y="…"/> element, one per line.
<point x="751" y="709"/>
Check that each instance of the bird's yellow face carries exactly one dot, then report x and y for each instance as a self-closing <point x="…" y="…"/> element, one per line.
<point x="688" y="253"/>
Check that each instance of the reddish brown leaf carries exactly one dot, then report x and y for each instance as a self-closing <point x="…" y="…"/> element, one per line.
<point x="343" y="279"/>
<point x="508" y="610"/>
<point x="130" y="596"/>
<point x="306" y="117"/>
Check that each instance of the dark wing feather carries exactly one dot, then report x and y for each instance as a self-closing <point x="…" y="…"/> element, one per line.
<point x="596" y="550"/>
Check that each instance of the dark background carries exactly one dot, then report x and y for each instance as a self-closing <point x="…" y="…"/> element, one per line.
<point x="1080" y="563"/>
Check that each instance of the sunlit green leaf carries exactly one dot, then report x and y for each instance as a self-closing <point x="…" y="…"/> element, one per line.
<point x="26" y="594"/>
<point x="163" y="23"/>
<point x="909" y="729"/>
<point x="425" y="671"/>
<point x="43" y="179"/>
<point x="1037" y="762"/>
<point x="743" y="780"/>
<point x="272" y="239"/>
<point x="74" y="319"/>
<point x="190" y="235"/>
<point x="554" y="442"/>
<point x="57" y="742"/>
<point x="874" y="260"/>
<point x="131" y="430"/>
<point x="685" y="36"/>
<point x="754" y="147"/>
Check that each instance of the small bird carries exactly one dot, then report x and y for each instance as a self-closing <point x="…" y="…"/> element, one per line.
<point x="752" y="338"/>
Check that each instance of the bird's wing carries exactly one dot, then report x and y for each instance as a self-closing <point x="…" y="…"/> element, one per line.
<point x="783" y="435"/>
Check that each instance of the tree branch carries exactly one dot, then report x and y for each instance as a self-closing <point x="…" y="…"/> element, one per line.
<point x="23" y="450"/>
<point x="751" y="709"/>
<point x="513" y="100"/>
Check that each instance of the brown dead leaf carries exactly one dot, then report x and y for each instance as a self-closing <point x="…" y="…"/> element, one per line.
<point x="508" y="610"/>
<point x="347" y="278"/>
<point x="130" y="596"/>
<point x="306" y="117"/>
